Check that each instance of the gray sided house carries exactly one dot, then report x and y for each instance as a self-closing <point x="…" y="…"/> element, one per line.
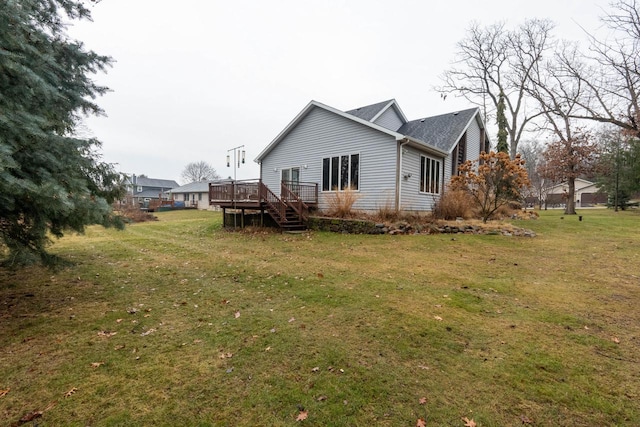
<point x="142" y="189"/>
<point x="390" y="161"/>
<point x="194" y="194"/>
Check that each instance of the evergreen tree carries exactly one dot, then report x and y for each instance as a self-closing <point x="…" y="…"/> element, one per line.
<point x="51" y="181"/>
<point x="619" y="167"/>
<point x="501" y="119"/>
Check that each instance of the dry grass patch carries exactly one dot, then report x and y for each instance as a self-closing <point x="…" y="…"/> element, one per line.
<point x="218" y="328"/>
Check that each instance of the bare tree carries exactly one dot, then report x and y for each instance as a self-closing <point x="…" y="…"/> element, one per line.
<point x="493" y="60"/>
<point x="572" y="152"/>
<point x="612" y="81"/>
<point x="532" y="152"/>
<point x="199" y="171"/>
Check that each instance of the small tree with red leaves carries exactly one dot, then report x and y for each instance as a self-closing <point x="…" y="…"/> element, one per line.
<point x="567" y="159"/>
<point x="492" y="181"/>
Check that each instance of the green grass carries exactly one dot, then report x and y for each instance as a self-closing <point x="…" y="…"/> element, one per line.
<point x="491" y="328"/>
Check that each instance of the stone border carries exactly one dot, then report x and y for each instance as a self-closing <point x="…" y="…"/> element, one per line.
<point x="364" y="226"/>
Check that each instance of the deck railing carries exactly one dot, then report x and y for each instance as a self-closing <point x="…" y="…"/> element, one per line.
<point x="235" y="191"/>
<point x="249" y="191"/>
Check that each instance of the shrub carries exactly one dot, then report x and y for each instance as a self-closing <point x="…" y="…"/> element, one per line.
<point x="341" y="202"/>
<point x="454" y="203"/>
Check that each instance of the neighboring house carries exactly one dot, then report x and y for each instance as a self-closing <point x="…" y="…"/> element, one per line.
<point x="390" y="161"/>
<point x="586" y="194"/>
<point x="195" y="194"/>
<point x="142" y="189"/>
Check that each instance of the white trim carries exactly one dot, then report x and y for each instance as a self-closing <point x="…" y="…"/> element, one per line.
<point x="391" y="103"/>
<point x="339" y="156"/>
<point x="475" y="115"/>
<point x="306" y="110"/>
<point x="439" y="175"/>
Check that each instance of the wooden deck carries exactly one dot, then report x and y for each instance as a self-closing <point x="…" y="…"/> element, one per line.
<point x="289" y="210"/>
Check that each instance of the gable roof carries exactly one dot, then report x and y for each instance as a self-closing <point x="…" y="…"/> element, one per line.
<point x="192" y="187"/>
<point x="153" y="182"/>
<point x="442" y="131"/>
<point x="437" y="133"/>
<point x="315" y="104"/>
<point x="371" y="112"/>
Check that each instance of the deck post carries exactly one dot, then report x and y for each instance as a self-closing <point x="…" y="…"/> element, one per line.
<point x="224" y="217"/>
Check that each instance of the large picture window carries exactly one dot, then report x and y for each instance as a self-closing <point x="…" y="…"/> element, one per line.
<point x="429" y="175"/>
<point x="341" y="172"/>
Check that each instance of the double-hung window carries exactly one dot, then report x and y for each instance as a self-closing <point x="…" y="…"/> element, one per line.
<point x="429" y="175"/>
<point x="341" y="172"/>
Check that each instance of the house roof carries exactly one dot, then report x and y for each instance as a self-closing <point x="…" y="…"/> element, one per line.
<point x="438" y="134"/>
<point x="153" y="182"/>
<point x="368" y="112"/>
<point x="193" y="187"/>
<point x="442" y="131"/>
<point x="371" y="112"/>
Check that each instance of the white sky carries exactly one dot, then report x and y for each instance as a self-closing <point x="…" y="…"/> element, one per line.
<point x="194" y="78"/>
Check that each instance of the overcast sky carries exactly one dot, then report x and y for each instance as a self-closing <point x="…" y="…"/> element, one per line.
<point x="195" y="78"/>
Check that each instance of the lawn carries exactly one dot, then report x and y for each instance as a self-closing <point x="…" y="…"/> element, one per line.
<point x="178" y="322"/>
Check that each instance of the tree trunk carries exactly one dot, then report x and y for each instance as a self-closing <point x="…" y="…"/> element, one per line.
<point x="570" y="208"/>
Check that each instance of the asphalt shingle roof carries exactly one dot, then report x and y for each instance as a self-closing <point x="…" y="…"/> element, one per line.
<point x="368" y="112"/>
<point x="193" y="187"/>
<point x="152" y="182"/>
<point x="441" y="131"/>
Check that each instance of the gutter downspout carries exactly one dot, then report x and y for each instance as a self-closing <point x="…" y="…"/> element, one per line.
<point x="400" y="155"/>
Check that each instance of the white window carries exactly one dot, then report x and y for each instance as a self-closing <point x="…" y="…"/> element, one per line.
<point x="341" y="172"/>
<point x="429" y="175"/>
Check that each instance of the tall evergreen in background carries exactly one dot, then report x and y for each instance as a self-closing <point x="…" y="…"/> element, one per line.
<point x="50" y="180"/>
<point x="503" y="133"/>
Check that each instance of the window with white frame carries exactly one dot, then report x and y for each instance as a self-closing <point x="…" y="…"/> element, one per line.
<point x="429" y="175"/>
<point x="341" y="172"/>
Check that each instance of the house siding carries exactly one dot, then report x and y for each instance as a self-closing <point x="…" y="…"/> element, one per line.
<point x="390" y="119"/>
<point x="472" y="150"/>
<point x="321" y="134"/>
<point x="473" y="141"/>
<point x="411" y="197"/>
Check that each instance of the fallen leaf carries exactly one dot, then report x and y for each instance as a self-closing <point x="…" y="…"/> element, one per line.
<point x="3" y="393"/>
<point x="267" y="349"/>
<point x="320" y="276"/>
<point x="293" y="319"/>
<point x="525" y="419"/>
<point x="97" y="364"/>
<point x="150" y="331"/>
<point x="106" y="334"/>
<point x="118" y="320"/>
<point x="421" y="423"/>
<point x="237" y="314"/>
<point x="423" y="400"/>
<point x="438" y="318"/>
<point x="302" y="416"/>
<point x="321" y="398"/>
<point x="30" y="417"/>
<point x="70" y="392"/>
<point x="118" y="347"/>
<point x="616" y="340"/>
<point x="197" y="341"/>
<point x="316" y="369"/>
<point x="469" y="422"/>
<point x="226" y="355"/>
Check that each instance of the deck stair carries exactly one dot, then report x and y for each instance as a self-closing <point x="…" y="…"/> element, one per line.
<point x="290" y="210"/>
